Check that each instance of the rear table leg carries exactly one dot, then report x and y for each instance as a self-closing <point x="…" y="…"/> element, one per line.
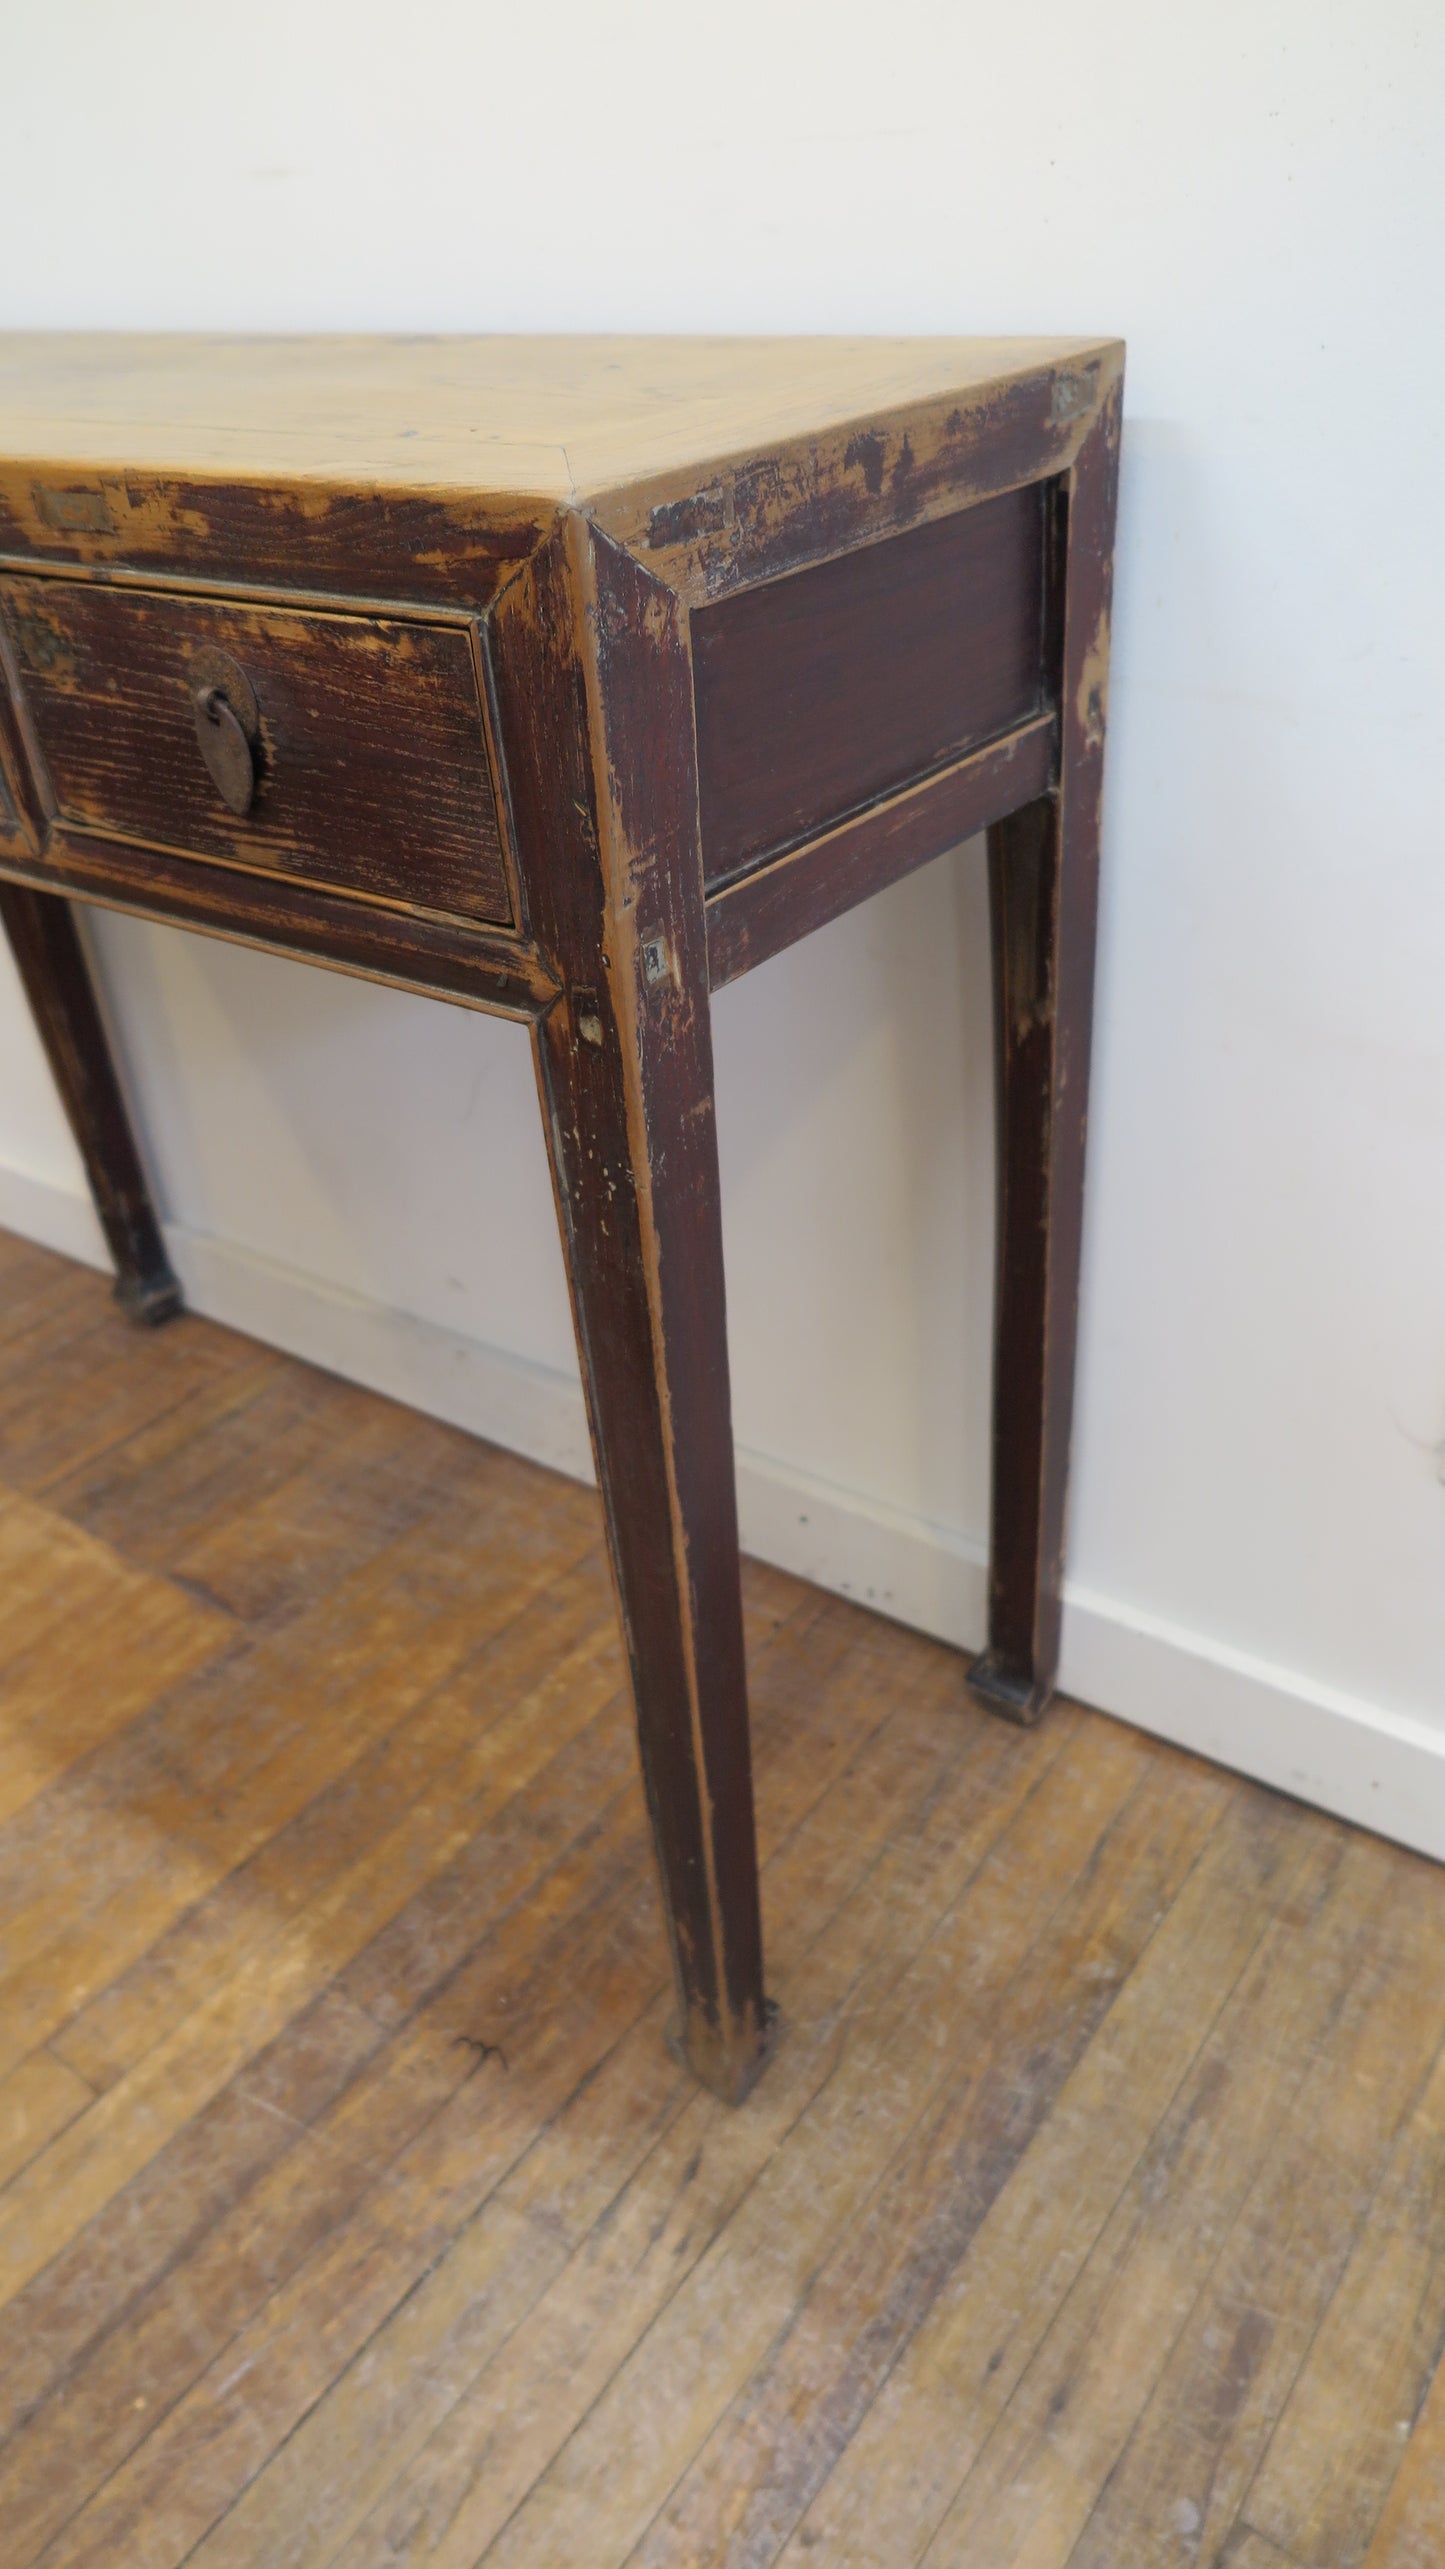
<point x="57" y="983"/>
<point x="1043" y="885"/>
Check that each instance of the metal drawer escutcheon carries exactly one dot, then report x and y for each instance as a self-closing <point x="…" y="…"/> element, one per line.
<point x="227" y="719"/>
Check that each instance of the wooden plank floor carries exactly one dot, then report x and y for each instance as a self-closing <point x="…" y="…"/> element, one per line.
<point x="352" y="2210"/>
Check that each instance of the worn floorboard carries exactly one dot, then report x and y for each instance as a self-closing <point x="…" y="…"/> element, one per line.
<point x="352" y="2209"/>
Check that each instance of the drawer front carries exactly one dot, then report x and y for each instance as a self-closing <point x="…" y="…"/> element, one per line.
<point x="359" y="740"/>
<point x="820" y="692"/>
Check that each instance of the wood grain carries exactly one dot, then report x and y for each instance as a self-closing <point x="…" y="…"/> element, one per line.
<point x="774" y="905"/>
<point x="819" y="693"/>
<point x="1043" y="900"/>
<point x="56" y="978"/>
<point x="469" y="964"/>
<point x="371" y="756"/>
<point x="1371" y="2356"/>
<point x="594" y="682"/>
<point x="37" y="2100"/>
<point x="406" y="410"/>
<point x="1411" y="2530"/>
<point x="68" y="1599"/>
<point x="361" y="2216"/>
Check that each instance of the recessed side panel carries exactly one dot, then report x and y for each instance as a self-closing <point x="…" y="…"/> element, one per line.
<point x="760" y="912"/>
<point x="822" y="691"/>
<point x="341" y="750"/>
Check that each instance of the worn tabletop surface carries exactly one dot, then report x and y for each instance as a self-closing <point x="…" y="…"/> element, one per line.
<point x="562" y="418"/>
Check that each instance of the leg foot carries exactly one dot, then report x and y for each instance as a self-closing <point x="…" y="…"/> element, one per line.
<point x="733" y="2069"/>
<point x="150" y="1300"/>
<point x="1016" y="1695"/>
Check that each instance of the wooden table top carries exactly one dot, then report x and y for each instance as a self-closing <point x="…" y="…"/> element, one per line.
<point x="533" y="419"/>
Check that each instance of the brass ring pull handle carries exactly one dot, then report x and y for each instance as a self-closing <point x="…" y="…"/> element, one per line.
<point x="223" y="705"/>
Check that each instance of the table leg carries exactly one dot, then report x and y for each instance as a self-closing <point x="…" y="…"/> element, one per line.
<point x="57" y="983"/>
<point x="596" y="699"/>
<point x="644" y="1252"/>
<point x="1043" y="885"/>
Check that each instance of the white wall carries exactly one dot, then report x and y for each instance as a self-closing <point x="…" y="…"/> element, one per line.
<point x="1252" y="193"/>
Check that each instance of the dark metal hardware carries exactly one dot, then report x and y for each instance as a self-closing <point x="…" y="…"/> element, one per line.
<point x="227" y="720"/>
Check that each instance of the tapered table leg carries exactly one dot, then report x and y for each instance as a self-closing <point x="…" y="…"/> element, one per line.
<point x="594" y="686"/>
<point x="57" y="983"/>
<point x="1043" y="883"/>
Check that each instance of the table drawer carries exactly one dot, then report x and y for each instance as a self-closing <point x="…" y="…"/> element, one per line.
<point x="344" y="750"/>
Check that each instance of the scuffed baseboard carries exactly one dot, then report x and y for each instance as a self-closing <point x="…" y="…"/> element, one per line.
<point x="1383" y="1770"/>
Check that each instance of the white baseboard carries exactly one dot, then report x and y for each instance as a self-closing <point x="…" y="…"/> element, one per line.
<point x="529" y="1408"/>
<point x="59" y="1217"/>
<point x="1384" y="1770"/>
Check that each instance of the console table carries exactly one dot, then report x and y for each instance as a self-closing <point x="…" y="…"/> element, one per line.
<point x="569" y="678"/>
